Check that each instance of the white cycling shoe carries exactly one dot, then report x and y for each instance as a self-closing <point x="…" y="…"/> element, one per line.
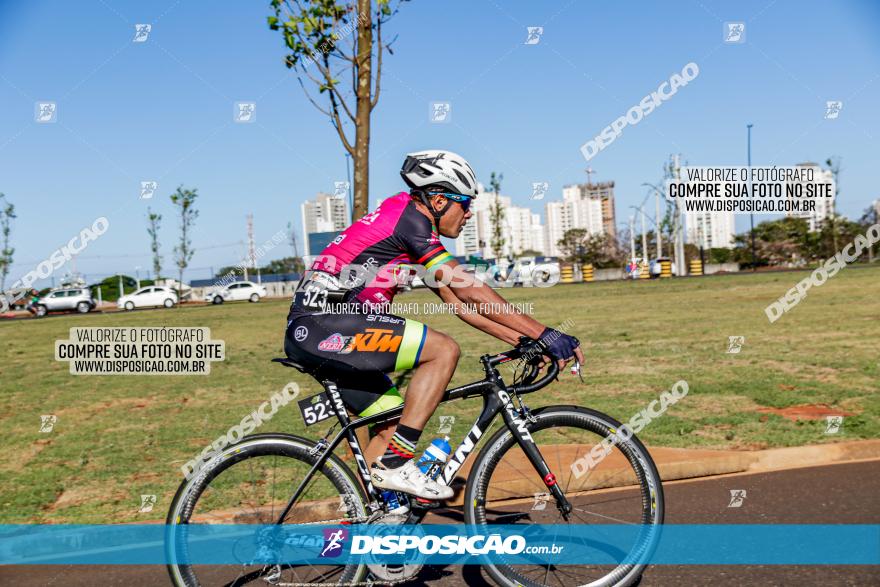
<point x="408" y="479"/>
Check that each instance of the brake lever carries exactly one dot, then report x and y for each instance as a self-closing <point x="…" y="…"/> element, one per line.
<point x="576" y="370"/>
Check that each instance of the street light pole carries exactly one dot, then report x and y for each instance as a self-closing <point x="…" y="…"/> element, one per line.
<point x="678" y="237"/>
<point x="751" y="214"/>
<point x="657" y="225"/>
<point x="632" y="239"/>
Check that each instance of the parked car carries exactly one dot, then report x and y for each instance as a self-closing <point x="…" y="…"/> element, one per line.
<point x="148" y="297"/>
<point x="77" y="299"/>
<point x="235" y="292"/>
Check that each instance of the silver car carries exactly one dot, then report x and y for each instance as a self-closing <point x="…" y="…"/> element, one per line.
<point x="77" y="299"/>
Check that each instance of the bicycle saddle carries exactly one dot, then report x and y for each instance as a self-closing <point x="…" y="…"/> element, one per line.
<point x="290" y="363"/>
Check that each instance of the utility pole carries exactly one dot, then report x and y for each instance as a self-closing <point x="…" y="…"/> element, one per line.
<point x="252" y="253"/>
<point x="658" y="222"/>
<point x="834" y="166"/>
<point x="678" y="238"/>
<point x="751" y="214"/>
<point x="657" y="228"/>
<point x="702" y="228"/>
<point x="632" y="239"/>
<point x="293" y="243"/>
<point x="644" y="237"/>
<point x="876" y="221"/>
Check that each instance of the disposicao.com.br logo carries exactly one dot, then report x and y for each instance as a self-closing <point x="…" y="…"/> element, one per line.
<point x="477" y="544"/>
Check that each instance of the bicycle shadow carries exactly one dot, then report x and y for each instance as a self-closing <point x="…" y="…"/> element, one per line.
<point x="470" y="575"/>
<point x="447" y="574"/>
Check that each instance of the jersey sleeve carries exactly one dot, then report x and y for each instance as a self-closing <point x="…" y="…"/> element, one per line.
<point x="420" y="241"/>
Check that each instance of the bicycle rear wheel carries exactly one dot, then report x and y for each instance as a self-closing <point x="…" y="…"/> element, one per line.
<point x="250" y="483"/>
<point x="621" y="488"/>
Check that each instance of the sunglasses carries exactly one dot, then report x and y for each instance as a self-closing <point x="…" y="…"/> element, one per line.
<point x="463" y="201"/>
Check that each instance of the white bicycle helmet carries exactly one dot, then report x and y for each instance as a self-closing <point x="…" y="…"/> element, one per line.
<point x="439" y="168"/>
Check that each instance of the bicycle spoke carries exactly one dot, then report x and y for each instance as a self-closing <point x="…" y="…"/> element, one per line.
<point x="607" y="501"/>
<point x="526" y="476"/>
<point x="272" y="501"/>
<point x="610" y="494"/>
<point x="612" y="518"/>
<point x="246" y="490"/>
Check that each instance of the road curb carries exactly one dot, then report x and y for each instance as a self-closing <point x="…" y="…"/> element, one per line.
<point x="676" y="464"/>
<point x="819" y="454"/>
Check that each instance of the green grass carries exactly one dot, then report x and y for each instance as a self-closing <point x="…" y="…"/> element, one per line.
<point x="118" y="437"/>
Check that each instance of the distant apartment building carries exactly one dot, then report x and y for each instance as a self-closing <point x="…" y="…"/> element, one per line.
<point x="601" y="193"/>
<point x="521" y="229"/>
<point x="589" y="206"/>
<point x="710" y="229"/>
<point x="559" y="217"/>
<point x="322" y="217"/>
<point x="824" y="206"/>
<point x="468" y="242"/>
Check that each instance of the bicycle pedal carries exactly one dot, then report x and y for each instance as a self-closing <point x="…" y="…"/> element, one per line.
<point x="423" y="504"/>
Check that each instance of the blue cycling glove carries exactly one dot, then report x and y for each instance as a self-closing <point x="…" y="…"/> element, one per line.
<point x="558" y="344"/>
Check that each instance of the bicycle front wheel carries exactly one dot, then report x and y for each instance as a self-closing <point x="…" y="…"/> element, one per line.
<point x="622" y="488"/>
<point x="251" y="483"/>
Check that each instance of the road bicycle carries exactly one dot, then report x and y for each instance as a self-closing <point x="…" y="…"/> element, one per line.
<point x="525" y="473"/>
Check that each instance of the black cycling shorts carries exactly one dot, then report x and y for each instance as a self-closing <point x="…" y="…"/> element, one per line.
<point x="356" y="351"/>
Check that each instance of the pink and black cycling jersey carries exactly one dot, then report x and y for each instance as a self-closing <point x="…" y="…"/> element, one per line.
<point x="339" y="326"/>
<point x="371" y="259"/>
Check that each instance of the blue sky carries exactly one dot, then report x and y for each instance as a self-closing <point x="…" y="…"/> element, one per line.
<point x="162" y="110"/>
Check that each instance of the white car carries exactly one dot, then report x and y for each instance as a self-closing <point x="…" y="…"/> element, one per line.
<point x="148" y="297"/>
<point x="235" y="292"/>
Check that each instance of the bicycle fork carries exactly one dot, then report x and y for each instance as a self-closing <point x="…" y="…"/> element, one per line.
<point x="517" y="423"/>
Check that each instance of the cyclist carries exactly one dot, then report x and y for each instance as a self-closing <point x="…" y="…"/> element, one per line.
<point x="337" y="329"/>
<point x="32" y="304"/>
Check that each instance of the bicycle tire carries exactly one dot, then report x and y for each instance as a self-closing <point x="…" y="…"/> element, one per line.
<point x="557" y="416"/>
<point x="281" y="445"/>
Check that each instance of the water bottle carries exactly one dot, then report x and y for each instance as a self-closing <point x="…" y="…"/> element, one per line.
<point x="396" y="502"/>
<point x="435" y="457"/>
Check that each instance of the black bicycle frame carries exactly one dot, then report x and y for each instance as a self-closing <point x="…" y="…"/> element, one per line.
<point x="496" y="399"/>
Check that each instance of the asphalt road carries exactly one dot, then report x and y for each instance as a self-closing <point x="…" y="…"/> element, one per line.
<point x="833" y="494"/>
